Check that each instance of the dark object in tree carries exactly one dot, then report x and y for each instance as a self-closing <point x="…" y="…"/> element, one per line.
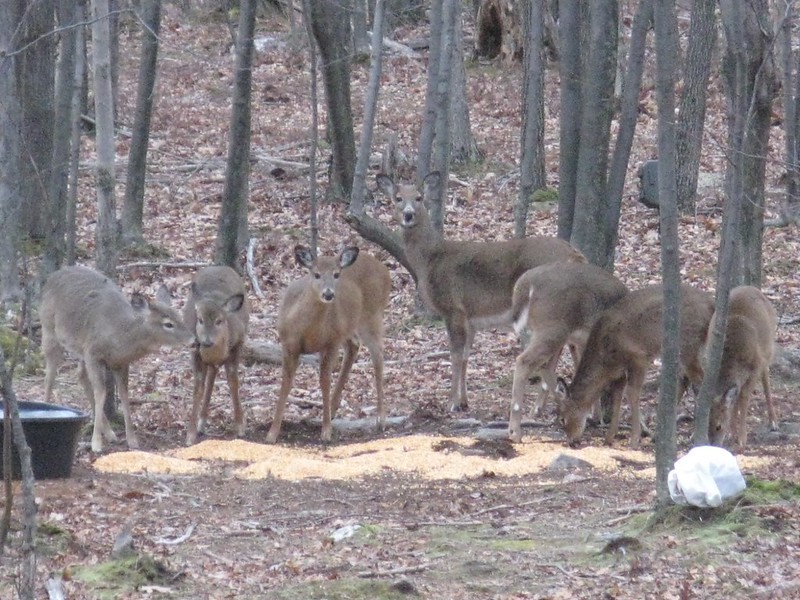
<point x="648" y="184"/>
<point x="489" y="29"/>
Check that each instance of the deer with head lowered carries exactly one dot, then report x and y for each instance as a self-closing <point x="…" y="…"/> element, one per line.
<point x="623" y="342"/>
<point x="746" y="356"/>
<point x="86" y="314"/>
<point x="218" y="312"/>
<point x="468" y="283"/>
<point x="557" y="303"/>
<point x="339" y="303"/>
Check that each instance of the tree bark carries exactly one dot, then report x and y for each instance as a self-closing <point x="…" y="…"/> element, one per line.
<point x="692" y="108"/>
<point x="78" y="86"/>
<point x="532" y="172"/>
<point x="591" y="181"/>
<point x="55" y="245"/>
<point x="231" y="240"/>
<point x="428" y="129"/>
<point x="629" y="112"/>
<point x="106" y="233"/>
<point x="330" y="22"/>
<point x="463" y="149"/>
<point x="666" y="27"/>
<point x="9" y="157"/>
<point x="133" y="203"/>
<point x="36" y="76"/>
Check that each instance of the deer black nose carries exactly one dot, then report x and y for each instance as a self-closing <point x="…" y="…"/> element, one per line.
<point x="408" y="217"/>
<point x="327" y="295"/>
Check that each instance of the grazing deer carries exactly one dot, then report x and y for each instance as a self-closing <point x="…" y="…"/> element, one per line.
<point x="557" y="303"/>
<point x="468" y="284"/>
<point x="217" y="312"/>
<point x="622" y="344"/>
<point x="86" y="314"/>
<point x="337" y="304"/>
<point x="746" y="356"/>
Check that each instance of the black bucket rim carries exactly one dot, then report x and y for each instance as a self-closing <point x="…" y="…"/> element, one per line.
<point x="76" y="415"/>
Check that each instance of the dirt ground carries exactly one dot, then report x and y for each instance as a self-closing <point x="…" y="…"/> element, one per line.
<point x="553" y="531"/>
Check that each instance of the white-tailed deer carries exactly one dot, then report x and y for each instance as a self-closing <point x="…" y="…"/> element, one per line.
<point x="337" y="304"/>
<point x="468" y="284"/>
<point x="746" y="356"/>
<point x="217" y="312"/>
<point x="86" y="314"/>
<point x="622" y="344"/>
<point x="557" y="303"/>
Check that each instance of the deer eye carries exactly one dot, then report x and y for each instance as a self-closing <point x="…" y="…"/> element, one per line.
<point x="336" y="275"/>
<point x="169" y="325"/>
<point x="200" y="320"/>
<point x="218" y="322"/>
<point x="418" y="198"/>
<point x="317" y="276"/>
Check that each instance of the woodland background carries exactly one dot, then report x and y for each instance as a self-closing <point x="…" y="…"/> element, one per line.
<point x="531" y="537"/>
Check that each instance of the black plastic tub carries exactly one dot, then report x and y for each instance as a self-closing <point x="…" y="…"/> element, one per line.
<point x="52" y="432"/>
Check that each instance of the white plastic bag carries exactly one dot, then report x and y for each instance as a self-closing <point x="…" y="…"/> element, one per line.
<point x="705" y="477"/>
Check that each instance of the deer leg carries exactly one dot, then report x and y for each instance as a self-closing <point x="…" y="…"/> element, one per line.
<point x="373" y="341"/>
<point x="457" y="331"/>
<point x="54" y="357"/>
<point x="232" y="375"/>
<point x="742" y="406"/>
<point x="121" y="378"/>
<point x="351" y="347"/>
<point x="290" y="361"/>
<point x="538" y="356"/>
<point x="95" y="376"/>
<point x="616" y="391"/>
<point x="192" y="426"/>
<point x="634" y="387"/>
<point x="326" y="360"/>
<point x="773" y="419"/>
<point x="208" y="388"/>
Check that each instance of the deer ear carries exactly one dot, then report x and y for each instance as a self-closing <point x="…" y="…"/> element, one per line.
<point x="385" y="184"/>
<point x="163" y="296"/>
<point x="139" y="302"/>
<point x="234" y="303"/>
<point x="348" y="256"/>
<point x="303" y="256"/>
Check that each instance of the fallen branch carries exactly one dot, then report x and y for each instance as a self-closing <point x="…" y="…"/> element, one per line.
<point x="166" y="265"/>
<point x="392" y="572"/>
<point x="250" y="270"/>
<point x="178" y="540"/>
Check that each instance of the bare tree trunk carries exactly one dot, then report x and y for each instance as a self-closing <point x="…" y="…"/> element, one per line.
<point x="78" y="81"/>
<point x="426" y="135"/>
<point x="312" y="160"/>
<point x="591" y="181"/>
<point x="441" y="144"/>
<point x="532" y="176"/>
<point x="728" y="270"/>
<point x="231" y="240"/>
<point x="106" y="234"/>
<point x="642" y="22"/>
<point x="692" y="109"/>
<point x="330" y="22"/>
<point x="463" y="149"/>
<point x="569" y="34"/>
<point x="27" y="569"/>
<point x="133" y="203"/>
<point x="666" y="26"/>
<point x="55" y="250"/>
<point x="370" y="106"/>
<point x="36" y="77"/>
<point x="10" y="114"/>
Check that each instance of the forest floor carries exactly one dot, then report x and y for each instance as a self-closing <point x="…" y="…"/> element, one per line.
<point x="437" y="506"/>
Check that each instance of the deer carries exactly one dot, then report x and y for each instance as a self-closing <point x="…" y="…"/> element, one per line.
<point x="746" y="356"/>
<point x="622" y="344"/>
<point x="337" y="304"/>
<point x="557" y="303"/>
<point x="86" y="314"/>
<point x="217" y="311"/>
<point x="467" y="283"/>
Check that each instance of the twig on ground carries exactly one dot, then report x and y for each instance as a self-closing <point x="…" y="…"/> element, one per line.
<point x="250" y="269"/>
<point x="178" y="540"/>
<point x="397" y="571"/>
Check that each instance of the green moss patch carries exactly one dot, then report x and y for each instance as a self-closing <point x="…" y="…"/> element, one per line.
<point x="116" y="578"/>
